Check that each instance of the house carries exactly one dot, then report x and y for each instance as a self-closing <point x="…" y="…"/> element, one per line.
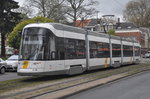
<point x="95" y="25"/>
<point x="127" y="29"/>
<point x="122" y="29"/>
<point x="146" y="31"/>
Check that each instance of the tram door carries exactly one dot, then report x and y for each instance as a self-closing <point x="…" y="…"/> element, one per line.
<point x="54" y="53"/>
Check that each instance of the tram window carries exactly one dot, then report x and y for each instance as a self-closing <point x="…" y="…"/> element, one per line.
<point x="137" y="51"/>
<point x="74" y="49"/>
<point x="40" y="57"/>
<point x="127" y="51"/>
<point x="116" y="50"/>
<point x="80" y="49"/>
<point x="46" y="45"/>
<point x="38" y="43"/>
<point x="99" y="50"/>
<point x="93" y="50"/>
<point x="59" y="48"/>
<point x="70" y="51"/>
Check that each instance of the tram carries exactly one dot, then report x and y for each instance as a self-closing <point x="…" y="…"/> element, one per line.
<point x="55" y="49"/>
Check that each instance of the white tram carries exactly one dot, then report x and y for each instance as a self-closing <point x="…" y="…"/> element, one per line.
<point x="54" y="49"/>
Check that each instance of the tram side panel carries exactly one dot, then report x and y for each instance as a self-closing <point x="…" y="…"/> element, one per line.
<point x="56" y="65"/>
<point x="116" y="52"/>
<point x="68" y="52"/>
<point x="127" y="52"/>
<point x="99" y="52"/>
<point x="75" y="52"/>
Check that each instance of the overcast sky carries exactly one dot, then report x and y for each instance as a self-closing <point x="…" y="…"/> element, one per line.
<point x="105" y="7"/>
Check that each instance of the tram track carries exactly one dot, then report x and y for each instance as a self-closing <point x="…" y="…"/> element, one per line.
<point x="51" y="88"/>
<point x="71" y="82"/>
<point x="66" y="82"/>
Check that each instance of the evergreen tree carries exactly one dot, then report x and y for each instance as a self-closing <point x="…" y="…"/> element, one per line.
<point x="8" y="19"/>
<point x="14" y="37"/>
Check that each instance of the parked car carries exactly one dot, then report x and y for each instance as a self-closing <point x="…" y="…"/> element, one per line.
<point x="12" y="63"/>
<point x="147" y="55"/>
<point x="2" y="66"/>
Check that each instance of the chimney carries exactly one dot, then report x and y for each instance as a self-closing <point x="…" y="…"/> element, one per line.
<point x="118" y="23"/>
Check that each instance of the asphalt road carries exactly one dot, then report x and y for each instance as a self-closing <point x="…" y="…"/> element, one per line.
<point x="10" y="76"/>
<point x="135" y="87"/>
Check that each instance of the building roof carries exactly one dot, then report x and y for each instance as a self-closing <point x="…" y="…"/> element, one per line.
<point x="82" y="23"/>
<point x="87" y="22"/>
<point x="126" y="25"/>
<point x="144" y="30"/>
<point x="93" y="22"/>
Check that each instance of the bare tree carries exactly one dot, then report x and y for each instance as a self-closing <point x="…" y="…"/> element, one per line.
<point x="53" y="9"/>
<point x="56" y="10"/>
<point x="40" y="5"/>
<point x="138" y="12"/>
<point x="62" y="10"/>
<point x="26" y="11"/>
<point x="80" y="8"/>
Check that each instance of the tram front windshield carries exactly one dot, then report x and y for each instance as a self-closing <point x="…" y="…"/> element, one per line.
<point x="35" y="44"/>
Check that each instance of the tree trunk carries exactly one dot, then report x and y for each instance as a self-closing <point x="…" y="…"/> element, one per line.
<point x="3" y="45"/>
<point x="75" y="17"/>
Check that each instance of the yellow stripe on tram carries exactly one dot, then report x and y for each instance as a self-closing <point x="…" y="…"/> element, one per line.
<point x="106" y="62"/>
<point x="131" y="61"/>
<point x="25" y="64"/>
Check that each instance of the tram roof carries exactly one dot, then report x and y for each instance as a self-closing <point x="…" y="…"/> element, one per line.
<point x="83" y="31"/>
<point x="72" y="29"/>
